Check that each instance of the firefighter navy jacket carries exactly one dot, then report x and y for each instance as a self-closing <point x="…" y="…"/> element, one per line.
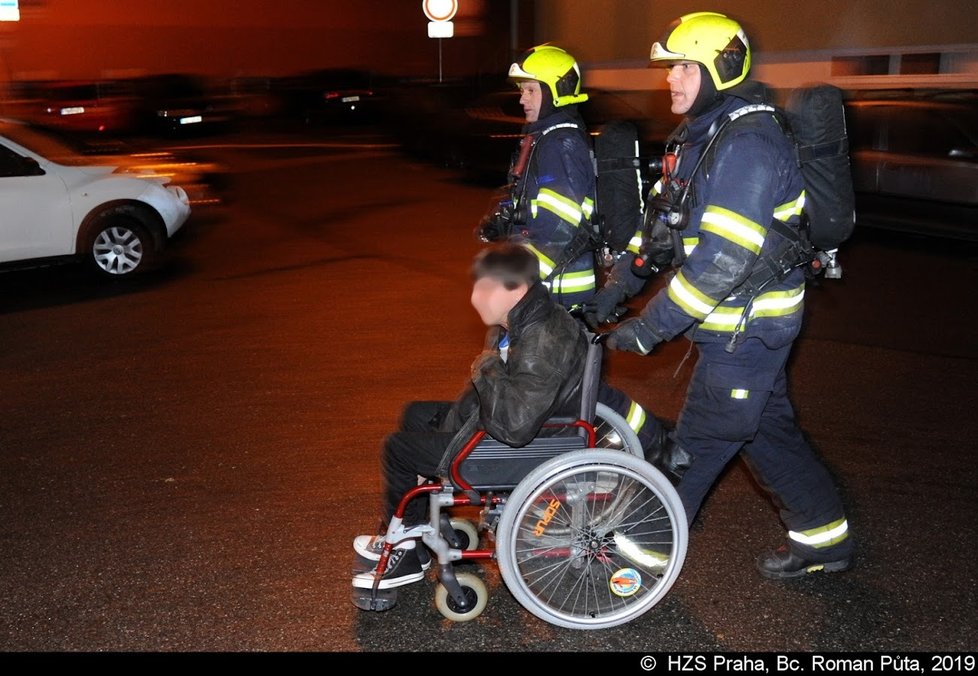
<point x="557" y="192"/>
<point x="751" y="179"/>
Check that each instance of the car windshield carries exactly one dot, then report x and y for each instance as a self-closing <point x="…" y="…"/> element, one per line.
<point x="82" y="92"/>
<point x="344" y="79"/>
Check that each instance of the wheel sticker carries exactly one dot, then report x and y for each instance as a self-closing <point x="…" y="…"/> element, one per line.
<point x="552" y="508"/>
<point x="625" y="582"/>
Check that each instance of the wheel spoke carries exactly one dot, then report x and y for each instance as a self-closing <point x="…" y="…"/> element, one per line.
<point x="117" y="250"/>
<point x="604" y="553"/>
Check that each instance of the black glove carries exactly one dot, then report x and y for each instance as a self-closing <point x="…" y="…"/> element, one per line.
<point x="490" y="229"/>
<point x="604" y="306"/>
<point x="632" y="335"/>
<point x="499" y="222"/>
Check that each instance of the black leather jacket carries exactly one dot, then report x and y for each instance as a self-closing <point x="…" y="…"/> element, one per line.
<point x="542" y="375"/>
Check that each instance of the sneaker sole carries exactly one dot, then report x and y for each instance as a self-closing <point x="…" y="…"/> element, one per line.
<point x="366" y="552"/>
<point x="828" y="567"/>
<point x="367" y="581"/>
<point x="366" y="600"/>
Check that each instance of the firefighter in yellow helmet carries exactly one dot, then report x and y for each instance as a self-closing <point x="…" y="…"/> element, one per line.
<point x="716" y="219"/>
<point x="551" y="199"/>
<point x="711" y="43"/>
<point x="556" y="72"/>
<point x="551" y="180"/>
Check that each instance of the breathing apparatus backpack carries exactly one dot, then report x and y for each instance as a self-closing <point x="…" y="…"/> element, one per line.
<point x="620" y="185"/>
<point x="619" y="204"/>
<point x="619" y="207"/>
<point x="817" y="123"/>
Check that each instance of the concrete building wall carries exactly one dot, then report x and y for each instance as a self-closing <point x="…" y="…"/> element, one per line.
<point x="622" y="30"/>
<point x="840" y="41"/>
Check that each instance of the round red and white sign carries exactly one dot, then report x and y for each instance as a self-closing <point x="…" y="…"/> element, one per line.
<point x="439" y="10"/>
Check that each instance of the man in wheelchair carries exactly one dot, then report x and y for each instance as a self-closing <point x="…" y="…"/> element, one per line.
<point x="531" y="370"/>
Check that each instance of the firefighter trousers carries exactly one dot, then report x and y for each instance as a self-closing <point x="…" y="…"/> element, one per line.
<point x="738" y="402"/>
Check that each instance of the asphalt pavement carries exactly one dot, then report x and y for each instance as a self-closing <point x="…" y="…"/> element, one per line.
<point x="184" y="459"/>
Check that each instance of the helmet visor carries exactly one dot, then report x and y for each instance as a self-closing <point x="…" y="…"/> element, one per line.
<point x="516" y="72"/>
<point x="660" y="56"/>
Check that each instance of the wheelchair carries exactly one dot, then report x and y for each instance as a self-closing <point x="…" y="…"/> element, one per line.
<point x="586" y="533"/>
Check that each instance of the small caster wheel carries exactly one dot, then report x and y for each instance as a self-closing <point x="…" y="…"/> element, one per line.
<point x="475" y="592"/>
<point x="467" y="534"/>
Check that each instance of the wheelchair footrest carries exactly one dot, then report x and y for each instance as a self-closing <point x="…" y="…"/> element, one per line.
<point x="367" y="599"/>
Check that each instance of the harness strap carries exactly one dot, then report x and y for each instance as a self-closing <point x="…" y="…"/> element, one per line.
<point x="822" y="150"/>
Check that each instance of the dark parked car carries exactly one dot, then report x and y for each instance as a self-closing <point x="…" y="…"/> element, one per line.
<point x="175" y="104"/>
<point x="332" y="96"/>
<point x="915" y="161"/>
<point x="83" y="108"/>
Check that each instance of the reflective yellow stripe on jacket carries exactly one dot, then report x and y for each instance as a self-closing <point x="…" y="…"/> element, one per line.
<point x="769" y="304"/>
<point x="734" y="228"/>
<point x="564" y="208"/>
<point x="569" y="282"/>
<point x="573" y="282"/>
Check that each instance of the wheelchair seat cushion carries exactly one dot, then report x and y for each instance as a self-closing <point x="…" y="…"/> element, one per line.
<point x="494" y="466"/>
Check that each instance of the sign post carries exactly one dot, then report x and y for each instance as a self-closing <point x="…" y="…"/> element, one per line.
<point x="440" y="13"/>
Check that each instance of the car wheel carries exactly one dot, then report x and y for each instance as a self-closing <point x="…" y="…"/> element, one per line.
<point x="120" y="243"/>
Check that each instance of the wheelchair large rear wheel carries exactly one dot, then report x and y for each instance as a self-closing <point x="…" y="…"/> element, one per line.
<point x="612" y="431"/>
<point x="591" y="539"/>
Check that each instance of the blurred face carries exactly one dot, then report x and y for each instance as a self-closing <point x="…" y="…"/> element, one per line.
<point x="531" y="98"/>
<point x="493" y="301"/>
<point x="684" y="85"/>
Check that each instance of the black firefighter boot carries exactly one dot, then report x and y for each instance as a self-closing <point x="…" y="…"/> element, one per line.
<point x="785" y="563"/>
<point x="667" y="456"/>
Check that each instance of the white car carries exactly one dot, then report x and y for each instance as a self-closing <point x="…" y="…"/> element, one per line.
<point x="58" y="205"/>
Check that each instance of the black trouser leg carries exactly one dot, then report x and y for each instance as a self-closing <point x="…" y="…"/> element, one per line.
<point x="414" y="450"/>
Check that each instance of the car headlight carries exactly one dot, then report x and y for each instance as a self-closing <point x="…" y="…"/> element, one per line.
<point x="180" y="194"/>
<point x="141" y="172"/>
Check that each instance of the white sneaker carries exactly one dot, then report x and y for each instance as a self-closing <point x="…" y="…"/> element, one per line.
<point x="403" y="568"/>
<point x="370" y="547"/>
